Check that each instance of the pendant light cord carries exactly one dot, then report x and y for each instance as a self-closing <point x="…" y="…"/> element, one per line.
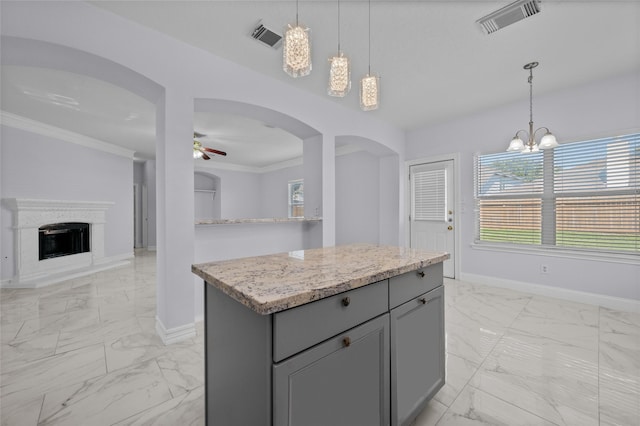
<point x="338" y="27"/>
<point x="296" y="13"/>
<point x="531" y="95"/>
<point x="369" y="37"/>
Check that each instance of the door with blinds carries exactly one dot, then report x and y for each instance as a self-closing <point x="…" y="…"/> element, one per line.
<point x="431" y="212"/>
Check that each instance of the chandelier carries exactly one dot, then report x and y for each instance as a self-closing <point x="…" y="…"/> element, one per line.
<point x="547" y="141"/>
<point x="339" y="70"/>
<point x="370" y="84"/>
<point x="296" y="49"/>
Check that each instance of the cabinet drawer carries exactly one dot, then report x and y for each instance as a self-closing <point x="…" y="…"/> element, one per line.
<point x="343" y="381"/>
<point x="302" y="327"/>
<point x="405" y="287"/>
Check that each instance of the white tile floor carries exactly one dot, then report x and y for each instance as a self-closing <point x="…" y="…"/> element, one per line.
<point x="85" y="352"/>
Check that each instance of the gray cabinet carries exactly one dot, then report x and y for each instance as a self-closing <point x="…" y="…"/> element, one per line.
<point x="417" y="354"/>
<point x="369" y="356"/>
<point x="343" y="381"/>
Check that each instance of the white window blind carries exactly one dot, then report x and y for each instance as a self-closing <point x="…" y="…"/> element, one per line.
<point x="509" y="188"/>
<point x="430" y="195"/>
<point x="580" y="195"/>
<point x="596" y="194"/>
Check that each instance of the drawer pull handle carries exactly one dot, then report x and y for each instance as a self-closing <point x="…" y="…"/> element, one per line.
<point x="346" y="342"/>
<point x="346" y="301"/>
<point x="421" y="274"/>
<point x="423" y="300"/>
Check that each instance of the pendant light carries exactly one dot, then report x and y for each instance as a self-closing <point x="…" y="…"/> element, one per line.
<point x="547" y="141"/>
<point x="339" y="70"/>
<point x="296" y="51"/>
<point x="370" y="84"/>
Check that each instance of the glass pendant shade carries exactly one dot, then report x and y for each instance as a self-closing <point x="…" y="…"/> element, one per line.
<point x="369" y="92"/>
<point x="516" y="145"/>
<point x="297" y="51"/>
<point x="339" y="76"/>
<point x="548" y="141"/>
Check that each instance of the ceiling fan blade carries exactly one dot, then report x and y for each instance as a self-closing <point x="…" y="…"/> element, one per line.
<point x="198" y="134"/>
<point x="215" y="151"/>
<point x="204" y="156"/>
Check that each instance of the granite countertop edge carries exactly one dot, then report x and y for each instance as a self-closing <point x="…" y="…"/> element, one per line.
<point x="312" y="294"/>
<point x="257" y="220"/>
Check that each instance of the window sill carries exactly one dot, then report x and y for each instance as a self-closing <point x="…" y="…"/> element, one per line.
<point x="629" y="259"/>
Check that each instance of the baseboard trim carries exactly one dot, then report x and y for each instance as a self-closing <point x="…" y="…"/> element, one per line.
<point x="618" y="303"/>
<point x="49" y="279"/>
<point x="176" y="334"/>
<point x="151" y="248"/>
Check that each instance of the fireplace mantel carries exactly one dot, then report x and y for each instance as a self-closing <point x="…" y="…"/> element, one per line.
<point x="30" y="214"/>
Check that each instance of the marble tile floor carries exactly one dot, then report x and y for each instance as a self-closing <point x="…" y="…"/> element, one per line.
<point x="85" y="352"/>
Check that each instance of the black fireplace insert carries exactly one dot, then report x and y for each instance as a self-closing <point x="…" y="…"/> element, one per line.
<point x="63" y="239"/>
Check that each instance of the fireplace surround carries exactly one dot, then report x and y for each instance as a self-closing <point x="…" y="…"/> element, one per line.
<point x="30" y="215"/>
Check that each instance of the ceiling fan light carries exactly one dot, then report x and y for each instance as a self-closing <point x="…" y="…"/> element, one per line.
<point x="197" y="154"/>
<point x="516" y="145"/>
<point x="548" y="141"/>
<point x="296" y="51"/>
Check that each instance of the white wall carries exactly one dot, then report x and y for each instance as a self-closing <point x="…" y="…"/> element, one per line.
<point x="274" y="192"/>
<point x="605" y="108"/>
<point x="36" y="166"/>
<point x="357" y="198"/>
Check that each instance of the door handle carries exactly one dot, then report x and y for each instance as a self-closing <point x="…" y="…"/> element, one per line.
<point x="450" y="228"/>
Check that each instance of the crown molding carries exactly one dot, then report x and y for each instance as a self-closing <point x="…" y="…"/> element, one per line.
<point x="33" y="126"/>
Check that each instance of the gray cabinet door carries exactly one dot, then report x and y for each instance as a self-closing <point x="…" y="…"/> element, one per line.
<point x="417" y="355"/>
<point x="343" y="381"/>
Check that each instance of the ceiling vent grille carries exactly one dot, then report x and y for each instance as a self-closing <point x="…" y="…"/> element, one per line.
<point x="266" y="36"/>
<point x="508" y="15"/>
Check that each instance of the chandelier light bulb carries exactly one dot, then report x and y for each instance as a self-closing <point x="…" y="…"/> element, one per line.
<point x="516" y="144"/>
<point x="548" y="141"/>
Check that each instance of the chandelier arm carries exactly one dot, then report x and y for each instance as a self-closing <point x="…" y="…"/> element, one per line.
<point x="522" y="130"/>
<point x="541" y="128"/>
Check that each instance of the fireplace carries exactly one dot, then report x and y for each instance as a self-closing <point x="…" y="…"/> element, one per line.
<point x="63" y="239"/>
<point x="56" y="240"/>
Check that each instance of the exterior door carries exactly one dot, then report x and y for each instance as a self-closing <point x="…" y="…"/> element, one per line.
<point x="431" y="217"/>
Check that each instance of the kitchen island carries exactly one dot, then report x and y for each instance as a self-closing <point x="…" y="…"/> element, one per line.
<point x="347" y="335"/>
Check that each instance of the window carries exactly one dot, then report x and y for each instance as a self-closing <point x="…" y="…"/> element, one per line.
<point x="296" y="198"/>
<point x="583" y="195"/>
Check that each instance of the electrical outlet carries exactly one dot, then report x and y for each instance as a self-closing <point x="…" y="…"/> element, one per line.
<point x="544" y="269"/>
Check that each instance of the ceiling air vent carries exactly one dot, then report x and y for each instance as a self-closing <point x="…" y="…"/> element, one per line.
<point x="509" y="14"/>
<point x="266" y="36"/>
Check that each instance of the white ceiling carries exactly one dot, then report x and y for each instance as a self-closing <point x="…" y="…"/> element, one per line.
<point x="434" y="61"/>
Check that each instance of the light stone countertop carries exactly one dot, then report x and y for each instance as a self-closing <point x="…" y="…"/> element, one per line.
<point x="257" y="220"/>
<point x="275" y="282"/>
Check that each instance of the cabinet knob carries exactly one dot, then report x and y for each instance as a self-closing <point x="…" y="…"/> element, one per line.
<point x="421" y="274"/>
<point x="346" y="342"/>
<point x="423" y="300"/>
<point x="346" y="301"/>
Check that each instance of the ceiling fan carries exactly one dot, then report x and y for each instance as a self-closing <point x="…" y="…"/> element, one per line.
<point x="200" y="151"/>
